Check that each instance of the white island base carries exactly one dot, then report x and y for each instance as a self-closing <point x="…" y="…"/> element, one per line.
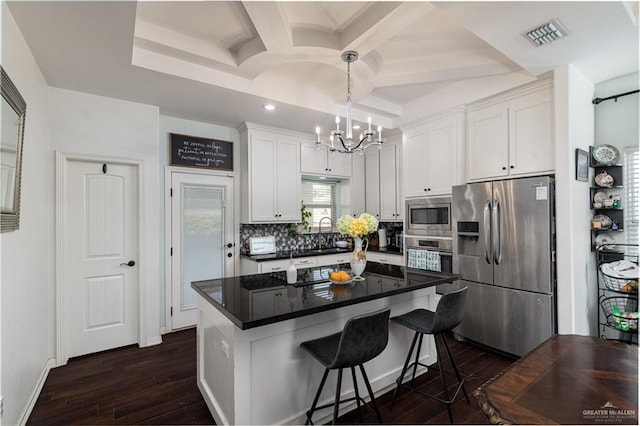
<point x="261" y="376"/>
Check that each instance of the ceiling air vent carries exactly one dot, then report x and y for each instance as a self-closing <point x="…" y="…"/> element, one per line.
<point x="547" y="33"/>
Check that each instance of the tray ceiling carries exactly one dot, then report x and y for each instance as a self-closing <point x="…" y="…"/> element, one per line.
<point x="415" y="57"/>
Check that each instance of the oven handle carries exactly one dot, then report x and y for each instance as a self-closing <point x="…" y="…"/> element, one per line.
<point x="487" y="231"/>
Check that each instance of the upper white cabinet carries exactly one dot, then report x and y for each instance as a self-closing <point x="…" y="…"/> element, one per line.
<point x="270" y="175"/>
<point x="322" y="162"/>
<point x="511" y="135"/>
<point x="433" y="155"/>
<point x="391" y="202"/>
<point x="372" y="182"/>
<point x="383" y="190"/>
<point x="353" y="196"/>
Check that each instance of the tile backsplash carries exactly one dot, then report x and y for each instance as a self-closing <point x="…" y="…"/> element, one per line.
<point x="285" y="242"/>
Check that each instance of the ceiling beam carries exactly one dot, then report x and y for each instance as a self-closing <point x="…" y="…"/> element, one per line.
<point x="380" y="22"/>
<point x="271" y="23"/>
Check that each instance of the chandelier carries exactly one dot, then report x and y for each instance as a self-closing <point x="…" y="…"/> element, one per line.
<point x="343" y="141"/>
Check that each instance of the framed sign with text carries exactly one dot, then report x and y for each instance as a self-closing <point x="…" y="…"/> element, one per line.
<point x="192" y="151"/>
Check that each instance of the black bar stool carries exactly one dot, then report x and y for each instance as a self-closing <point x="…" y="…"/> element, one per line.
<point x="447" y="316"/>
<point x="363" y="338"/>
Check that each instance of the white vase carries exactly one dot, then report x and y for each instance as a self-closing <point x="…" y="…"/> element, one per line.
<point x="358" y="258"/>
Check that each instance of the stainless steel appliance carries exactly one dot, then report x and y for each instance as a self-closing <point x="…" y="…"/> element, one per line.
<point x="428" y="216"/>
<point x="438" y="245"/>
<point x="503" y="245"/>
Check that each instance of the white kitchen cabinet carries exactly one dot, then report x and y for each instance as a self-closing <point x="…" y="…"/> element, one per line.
<point x="372" y="182"/>
<point x="386" y="258"/>
<point x="353" y="198"/>
<point x="433" y="155"/>
<point x="391" y="202"/>
<point x="324" y="163"/>
<point x="511" y="135"/>
<point x="383" y="188"/>
<point x="270" y="176"/>
<point x="334" y="259"/>
<point x="283" y="264"/>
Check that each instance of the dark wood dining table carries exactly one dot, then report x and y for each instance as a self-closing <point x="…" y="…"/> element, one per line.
<point x="568" y="379"/>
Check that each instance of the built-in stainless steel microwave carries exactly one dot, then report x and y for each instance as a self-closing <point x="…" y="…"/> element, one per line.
<point x="428" y="216"/>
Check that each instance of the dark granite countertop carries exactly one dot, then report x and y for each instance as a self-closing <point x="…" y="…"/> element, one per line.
<point x="315" y="252"/>
<point x="256" y="300"/>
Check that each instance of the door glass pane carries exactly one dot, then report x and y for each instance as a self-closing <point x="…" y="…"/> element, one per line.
<point x="202" y="223"/>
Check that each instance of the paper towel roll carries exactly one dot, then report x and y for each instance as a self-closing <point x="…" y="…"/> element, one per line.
<point x="382" y="237"/>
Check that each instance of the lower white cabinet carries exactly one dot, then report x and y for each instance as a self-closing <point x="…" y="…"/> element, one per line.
<point x="248" y="266"/>
<point x="334" y="259"/>
<point x="389" y="259"/>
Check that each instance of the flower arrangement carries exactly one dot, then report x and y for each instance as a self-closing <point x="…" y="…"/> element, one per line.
<point x="357" y="227"/>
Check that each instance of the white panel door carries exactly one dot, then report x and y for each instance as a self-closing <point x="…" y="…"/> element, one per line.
<point x="100" y="230"/>
<point x="201" y="238"/>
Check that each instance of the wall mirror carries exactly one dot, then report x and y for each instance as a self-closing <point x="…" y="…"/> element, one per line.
<point x="12" y="113"/>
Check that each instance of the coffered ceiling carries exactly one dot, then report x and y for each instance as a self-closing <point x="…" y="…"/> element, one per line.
<point x="219" y="61"/>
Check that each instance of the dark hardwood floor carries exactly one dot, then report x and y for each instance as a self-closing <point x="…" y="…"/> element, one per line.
<point x="157" y="385"/>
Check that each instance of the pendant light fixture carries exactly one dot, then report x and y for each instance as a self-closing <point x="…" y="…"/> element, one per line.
<point x="343" y="141"/>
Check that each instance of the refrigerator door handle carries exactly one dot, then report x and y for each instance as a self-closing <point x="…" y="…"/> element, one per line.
<point x="487" y="231"/>
<point x="497" y="233"/>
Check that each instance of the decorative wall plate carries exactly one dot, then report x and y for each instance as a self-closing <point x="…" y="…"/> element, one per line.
<point x="606" y="154"/>
<point x="599" y="197"/>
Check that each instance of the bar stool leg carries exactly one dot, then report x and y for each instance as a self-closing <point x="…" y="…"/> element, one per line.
<point x="455" y="368"/>
<point x="355" y="387"/>
<point x="336" y="406"/>
<point x="371" y="395"/>
<point x="415" y="364"/>
<point x="315" y="399"/>
<point x="445" y="386"/>
<point x="404" y="370"/>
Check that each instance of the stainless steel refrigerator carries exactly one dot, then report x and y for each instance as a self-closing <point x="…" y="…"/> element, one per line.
<point x="504" y="248"/>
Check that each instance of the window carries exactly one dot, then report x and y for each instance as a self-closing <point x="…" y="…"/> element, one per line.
<point x="320" y="198"/>
<point x="632" y="186"/>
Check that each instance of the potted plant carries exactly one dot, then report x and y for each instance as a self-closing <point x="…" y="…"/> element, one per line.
<point x="304" y="225"/>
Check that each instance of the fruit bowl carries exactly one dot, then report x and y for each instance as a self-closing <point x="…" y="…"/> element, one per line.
<point x="340" y="277"/>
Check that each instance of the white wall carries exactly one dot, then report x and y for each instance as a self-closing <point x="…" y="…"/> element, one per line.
<point x="199" y="129"/>
<point x="103" y="127"/>
<point x="574" y="128"/>
<point x="26" y="285"/>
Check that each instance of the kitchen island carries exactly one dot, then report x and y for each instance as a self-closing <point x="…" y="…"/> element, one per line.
<point x="250" y="367"/>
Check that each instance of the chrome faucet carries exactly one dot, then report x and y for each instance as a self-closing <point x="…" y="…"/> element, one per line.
<point x="320" y="230"/>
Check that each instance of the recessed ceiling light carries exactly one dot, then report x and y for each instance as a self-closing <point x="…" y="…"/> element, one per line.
<point x="268" y="107"/>
<point x="545" y="34"/>
<point x="356" y="127"/>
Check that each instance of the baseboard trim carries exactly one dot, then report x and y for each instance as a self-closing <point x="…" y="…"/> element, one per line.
<point x="24" y="417"/>
<point x="153" y="341"/>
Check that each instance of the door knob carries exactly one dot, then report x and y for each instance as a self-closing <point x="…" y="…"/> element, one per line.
<point x="229" y="254"/>
<point x="129" y="263"/>
<point x="229" y="245"/>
